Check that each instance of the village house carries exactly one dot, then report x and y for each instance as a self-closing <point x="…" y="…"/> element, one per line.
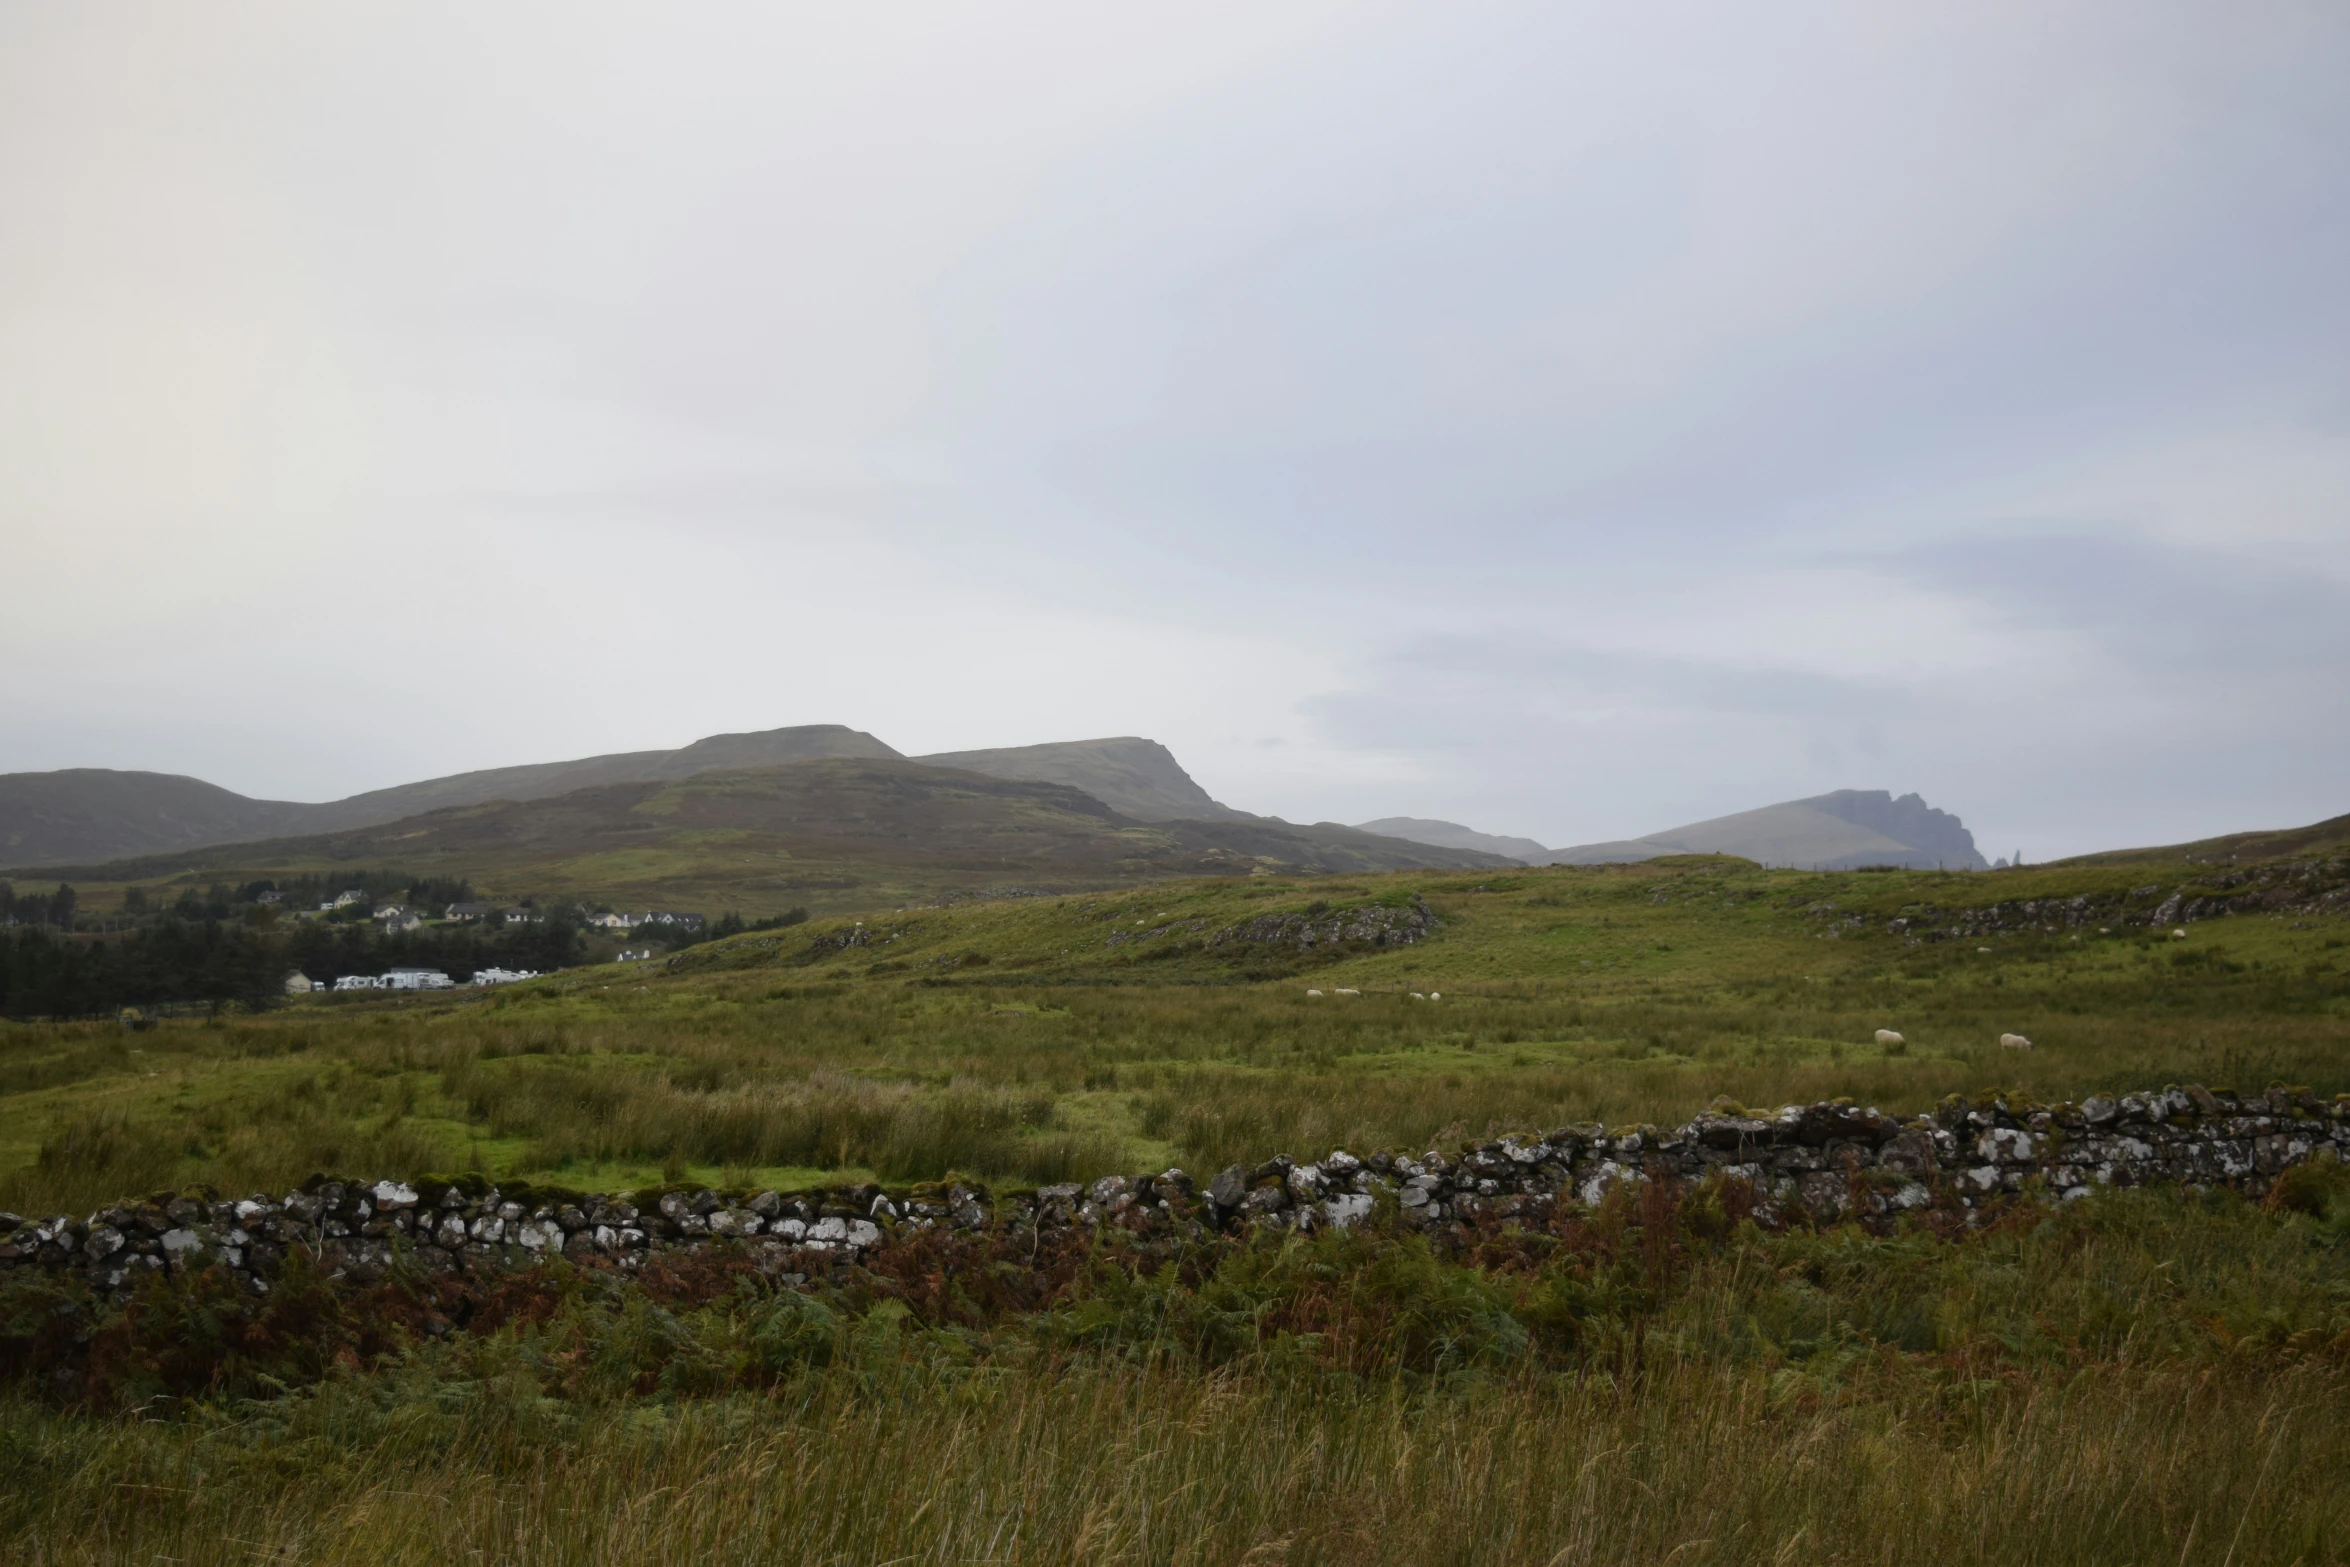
<point x="470" y="911"/>
<point x="299" y="984"/>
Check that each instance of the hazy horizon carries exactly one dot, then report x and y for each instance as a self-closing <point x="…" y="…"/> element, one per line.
<point x="1567" y="424"/>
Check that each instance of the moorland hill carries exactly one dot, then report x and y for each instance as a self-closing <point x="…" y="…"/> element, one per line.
<point x="840" y="833"/>
<point x="85" y="814"/>
<point x="1452" y="835"/>
<point x="1132" y="776"/>
<point x="1842" y="830"/>
<point x="2327" y="838"/>
<point x="88" y="814"/>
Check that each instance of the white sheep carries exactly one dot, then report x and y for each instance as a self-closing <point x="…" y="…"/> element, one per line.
<point x="1342" y="990"/>
<point x="1317" y="995"/>
<point x="1416" y="996"/>
<point x="2014" y="1042"/>
<point x="1435" y="995"/>
<point x="1886" y="1036"/>
<point x="2178" y="935"/>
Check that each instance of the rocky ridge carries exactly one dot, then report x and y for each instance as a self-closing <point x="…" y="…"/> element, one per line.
<point x="1804" y="1164"/>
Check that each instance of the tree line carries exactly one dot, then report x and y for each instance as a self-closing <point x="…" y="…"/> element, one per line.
<point x="172" y="961"/>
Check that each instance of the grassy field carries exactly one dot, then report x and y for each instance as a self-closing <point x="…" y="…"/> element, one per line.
<point x="1045" y="1038"/>
<point x="2145" y="1377"/>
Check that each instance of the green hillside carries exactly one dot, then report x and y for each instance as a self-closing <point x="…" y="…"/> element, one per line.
<point x="828" y="835"/>
<point x="2329" y="837"/>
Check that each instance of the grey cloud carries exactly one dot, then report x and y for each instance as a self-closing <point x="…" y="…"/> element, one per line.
<point x="2174" y="612"/>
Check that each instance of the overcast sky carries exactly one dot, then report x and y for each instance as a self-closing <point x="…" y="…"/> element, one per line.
<point x="1569" y="420"/>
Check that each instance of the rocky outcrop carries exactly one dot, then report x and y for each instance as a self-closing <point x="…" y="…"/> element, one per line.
<point x="1805" y="1164"/>
<point x="1371" y="925"/>
<point x="2307" y="888"/>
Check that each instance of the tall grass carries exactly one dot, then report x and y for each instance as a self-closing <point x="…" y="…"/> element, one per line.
<point x="1098" y="1465"/>
<point x="2144" y="1377"/>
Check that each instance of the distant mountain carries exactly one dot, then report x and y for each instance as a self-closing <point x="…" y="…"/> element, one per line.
<point x="1452" y="835"/>
<point x="2329" y="837"/>
<point x="95" y="813"/>
<point x="544" y="780"/>
<point x="837" y="833"/>
<point x="1132" y="776"/>
<point x="1836" y="831"/>
<point x="83" y="813"/>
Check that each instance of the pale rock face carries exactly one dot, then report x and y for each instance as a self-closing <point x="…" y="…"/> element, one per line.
<point x="2005" y="1144"/>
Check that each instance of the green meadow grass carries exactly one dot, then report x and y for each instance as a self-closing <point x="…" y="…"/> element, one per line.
<point x="1047" y="1038"/>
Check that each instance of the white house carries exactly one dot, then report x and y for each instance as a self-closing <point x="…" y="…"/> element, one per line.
<point x="298" y="984"/>
<point x="344" y="900"/>
<point x="615" y="921"/>
<point x="470" y="911"/>
<point x="521" y="916"/>
<point x="502" y="976"/>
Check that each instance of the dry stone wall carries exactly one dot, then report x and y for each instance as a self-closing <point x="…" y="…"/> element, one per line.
<point x="1816" y="1163"/>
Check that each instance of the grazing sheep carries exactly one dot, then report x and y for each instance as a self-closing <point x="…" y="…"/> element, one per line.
<point x="1345" y="992"/>
<point x="1886" y="1036"/>
<point x="2178" y="935"/>
<point x="1416" y="996"/>
<point x="2014" y="1042"/>
<point x="1317" y="995"/>
<point x="1435" y="995"/>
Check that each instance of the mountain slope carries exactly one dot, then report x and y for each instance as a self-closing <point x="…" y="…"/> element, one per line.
<point x="99" y="813"/>
<point x="844" y="833"/>
<point x="94" y="813"/>
<point x="1135" y="777"/>
<point x="1836" y="831"/>
<point x="1452" y="835"/>
<point x="2331" y="836"/>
